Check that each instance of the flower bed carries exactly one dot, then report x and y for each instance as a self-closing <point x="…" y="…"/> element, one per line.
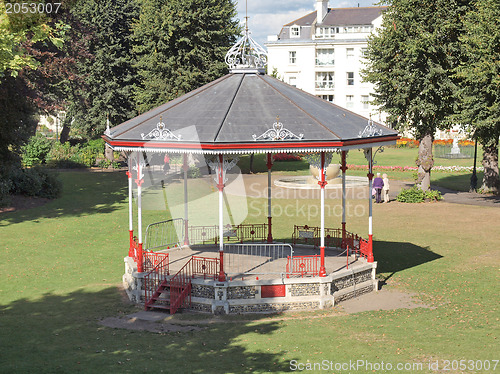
<point x="414" y="168"/>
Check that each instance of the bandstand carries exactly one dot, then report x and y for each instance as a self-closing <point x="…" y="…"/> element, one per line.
<point x="244" y="112"/>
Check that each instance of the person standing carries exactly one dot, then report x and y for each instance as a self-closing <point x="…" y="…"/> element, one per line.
<point x="386" y="188"/>
<point x="378" y="184"/>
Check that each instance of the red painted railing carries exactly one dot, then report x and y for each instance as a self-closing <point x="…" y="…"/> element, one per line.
<point x="180" y="288"/>
<point x="303" y="265"/>
<point x="157" y="274"/>
<point x="205" y="267"/>
<point x="364" y="248"/>
<point x="153" y="259"/>
<point x="311" y="235"/>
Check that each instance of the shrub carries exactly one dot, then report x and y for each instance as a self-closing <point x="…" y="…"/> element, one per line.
<point x="5" y="187"/>
<point x="35" y="182"/>
<point x="104" y="163"/>
<point x="36" y="151"/>
<point x="416" y="195"/>
<point x="194" y="172"/>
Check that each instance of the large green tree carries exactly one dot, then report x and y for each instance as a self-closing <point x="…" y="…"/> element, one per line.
<point x="411" y="61"/>
<point x="180" y="45"/>
<point x="479" y="76"/>
<point x="108" y="75"/>
<point x="19" y="113"/>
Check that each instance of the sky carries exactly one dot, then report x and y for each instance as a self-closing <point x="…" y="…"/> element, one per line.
<point x="268" y="16"/>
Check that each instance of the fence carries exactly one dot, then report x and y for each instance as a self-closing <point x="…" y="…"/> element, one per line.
<point x="311" y="235"/>
<point x="153" y="260"/>
<point x="303" y="265"/>
<point x="205" y="267"/>
<point x="164" y="234"/>
<point x="235" y="234"/>
<point x="261" y="259"/>
<point x="156" y="276"/>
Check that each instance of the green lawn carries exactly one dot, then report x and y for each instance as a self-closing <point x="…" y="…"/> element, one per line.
<point x="62" y="266"/>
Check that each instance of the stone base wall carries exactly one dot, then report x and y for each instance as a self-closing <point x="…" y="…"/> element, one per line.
<point x="233" y="297"/>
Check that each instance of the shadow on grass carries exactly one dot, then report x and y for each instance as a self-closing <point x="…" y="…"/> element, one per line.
<point x="61" y="333"/>
<point x="393" y="257"/>
<point x="84" y="193"/>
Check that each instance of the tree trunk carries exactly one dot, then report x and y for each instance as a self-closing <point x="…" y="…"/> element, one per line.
<point x="64" y="136"/>
<point x="425" y="162"/>
<point x="490" y="163"/>
<point x="251" y="163"/>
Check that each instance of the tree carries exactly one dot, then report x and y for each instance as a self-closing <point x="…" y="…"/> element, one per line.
<point x="181" y="45"/>
<point x="479" y="76"/>
<point x="19" y="114"/>
<point x="411" y="61"/>
<point x="108" y="75"/>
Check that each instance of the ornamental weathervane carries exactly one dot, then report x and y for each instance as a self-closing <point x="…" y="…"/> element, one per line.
<point x="246" y="56"/>
<point x="278" y="132"/>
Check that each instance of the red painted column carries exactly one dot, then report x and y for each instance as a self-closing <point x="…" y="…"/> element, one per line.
<point x="343" y="167"/>
<point x="139" y="181"/>
<point x="220" y="187"/>
<point x="322" y="183"/>
<point x="130" y="213"/>
<point x="269" y="211"/>
<point x="370" y="212"/>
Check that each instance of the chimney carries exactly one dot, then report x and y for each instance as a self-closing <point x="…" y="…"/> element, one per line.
<point x="321" y="10"/>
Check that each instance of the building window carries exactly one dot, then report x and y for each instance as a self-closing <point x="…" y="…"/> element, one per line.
<point x="292" y="57"/>
<point x="350" y="78"/>
<point x="292" y="81"/>
<point x="350" y="53"/>
<point x="329" y="98"/>
<point x="349" y="101"/>
<point x="324" y="57"/>
<point x="365" y="100"/>
<point x="326" y="32"/>
<point x="324" y="80"/>
<point x="294" y="31"/>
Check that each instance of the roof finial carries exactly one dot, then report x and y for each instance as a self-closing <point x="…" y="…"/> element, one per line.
<point x="246" y="16"/>
<point x="246" y="56"/>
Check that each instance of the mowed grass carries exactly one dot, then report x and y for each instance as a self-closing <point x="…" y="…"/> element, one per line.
<point x="62" y="265"/>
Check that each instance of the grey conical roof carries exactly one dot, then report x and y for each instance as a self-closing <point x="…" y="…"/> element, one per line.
<point x="234" y="113"/>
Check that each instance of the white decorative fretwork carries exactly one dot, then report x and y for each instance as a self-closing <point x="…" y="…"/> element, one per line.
<point x="226" y="165"/>
<point x="278" y="132"/>
<point x="160" y="133"/>
<point x="370" y="130"/>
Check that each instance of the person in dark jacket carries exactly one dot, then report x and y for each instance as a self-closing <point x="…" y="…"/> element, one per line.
<point x="378" y="184"/>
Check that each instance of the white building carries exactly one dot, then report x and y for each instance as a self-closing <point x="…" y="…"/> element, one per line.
<point x="322" y="53"/>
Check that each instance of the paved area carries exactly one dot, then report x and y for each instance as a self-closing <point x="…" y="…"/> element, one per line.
<point x="258" y="266"/>
<point x="256" y="186"/>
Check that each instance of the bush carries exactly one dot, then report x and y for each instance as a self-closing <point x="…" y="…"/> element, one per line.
<point x="416" y="195"/>
<point x="5" y="187"/>
<point x="36" y="151"/>
<point x="194" y="172"/>
<point x="35" y="182"/>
